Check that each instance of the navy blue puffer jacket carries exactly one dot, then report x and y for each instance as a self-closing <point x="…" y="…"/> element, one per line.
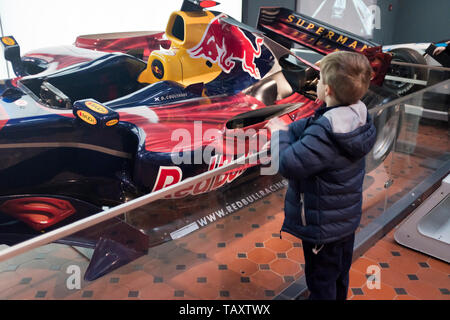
<point x="323" y="158"/>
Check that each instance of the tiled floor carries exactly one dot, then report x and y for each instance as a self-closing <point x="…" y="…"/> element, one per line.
<point x="404" y="274"/>
<point x="241" y="256"/>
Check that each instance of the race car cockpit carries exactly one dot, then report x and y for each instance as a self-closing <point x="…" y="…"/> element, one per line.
<point x="106" y="78"/>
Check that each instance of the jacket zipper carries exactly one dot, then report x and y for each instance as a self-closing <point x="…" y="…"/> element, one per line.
<point x="302" y="196"/>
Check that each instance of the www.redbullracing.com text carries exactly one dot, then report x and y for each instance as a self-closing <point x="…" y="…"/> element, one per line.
<point x="224" y="309"/>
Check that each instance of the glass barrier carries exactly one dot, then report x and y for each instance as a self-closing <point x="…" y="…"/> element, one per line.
<point x="225" y="243"/>
<point x="422" y="146"/>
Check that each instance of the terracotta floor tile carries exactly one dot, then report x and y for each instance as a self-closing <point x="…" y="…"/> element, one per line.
<point x="393" y="278"/>
<point x="243" y="266"/>
<point x="389" y="245"/>
<point x="269" y="227"/>
<point x="285" y="267"/>
<point x="61" y="291"/>
<point x="210" y="270"/>
<point x="424" y="291"/>
<point x="362" y="264"/>
<point x="434" y="277"/>
<point x="267" y="279"/>
<point x="154" y="267"/>
<point x="278" y="245"/>
<point x="359" y="297"/>
<point x="114" y="292"/>
<point x="59" y="278"/>
<point x="404" y="264"/>
<point x="228" y="255"/>
<point x="201" y="292"/>
<point x="289" y="237"/>
<point x="357" y="279"/>
<point x="439" y="265"/>
<point x="247" y="242"/>
<point x="296" y="254"/>
<point x="257" y="236"/>
<point x="405" y="297"/>
<point x="385" y="292"/>
<point x="97" y="286"/>
<point x="191" y="286"/>
<point x="133" y="280"/>
<point x="261" y="255"/>
<point x="17" y="293"/>
<point x="158" y="291"/>
<point x="246" y="291"/>
<point x="8" y="279"/>
<point x="378" y="253"/>
<point x="411" y="254"/>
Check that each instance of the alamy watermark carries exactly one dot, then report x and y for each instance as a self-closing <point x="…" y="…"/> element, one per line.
<point x="73" y="282"/>
<point x="374" y="277"/>
<point x="200" y="145"/>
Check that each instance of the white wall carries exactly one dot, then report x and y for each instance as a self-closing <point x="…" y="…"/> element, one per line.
<point x="36" y="24"/>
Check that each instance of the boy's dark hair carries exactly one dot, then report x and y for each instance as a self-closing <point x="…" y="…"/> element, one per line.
<point x="348" y="74"/>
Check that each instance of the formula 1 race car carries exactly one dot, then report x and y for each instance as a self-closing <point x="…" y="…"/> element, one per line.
<point x="96" y="124"/>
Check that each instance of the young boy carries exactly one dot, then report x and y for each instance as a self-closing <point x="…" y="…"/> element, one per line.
<point x="323" y="158"/>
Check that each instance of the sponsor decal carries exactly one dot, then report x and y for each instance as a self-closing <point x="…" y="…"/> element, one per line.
<point x="158" y="69"/>
<point x="20" y="103"/>
<point x="325" y="34"/>
<point x="112" y="122"/>
<point x="8" y="41"/>
<point x="228" y="209"/>
<point x="38" y="212"/>
<point x="223" y="44"/>
<point x="168" y="176"/>
<point x="94" y="106"/>
<point x="87" y="117"/>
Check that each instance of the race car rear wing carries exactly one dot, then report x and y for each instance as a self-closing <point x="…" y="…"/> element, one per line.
<point x="309" y="32"/>
<point x="286" y="26"/>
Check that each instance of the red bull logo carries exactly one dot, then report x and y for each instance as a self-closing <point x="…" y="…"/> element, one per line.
<point x="168" y="176"/>
<point x="158" y="69"/>
<point x="223" y="44"/>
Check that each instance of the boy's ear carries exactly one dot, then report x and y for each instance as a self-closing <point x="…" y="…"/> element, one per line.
<point x="328" y="90"/>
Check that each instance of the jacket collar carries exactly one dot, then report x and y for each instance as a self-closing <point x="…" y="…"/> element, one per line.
<point x="319" y="112"/>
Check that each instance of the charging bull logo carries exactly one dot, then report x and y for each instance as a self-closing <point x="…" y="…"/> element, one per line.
<point x="223" y="43"/>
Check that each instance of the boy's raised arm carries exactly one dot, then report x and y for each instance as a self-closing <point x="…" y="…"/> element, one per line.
<point x="304" y="157"/>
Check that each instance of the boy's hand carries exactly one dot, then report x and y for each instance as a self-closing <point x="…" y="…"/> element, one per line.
<point x="438" y="51"/>
<point x="276" y="124"/>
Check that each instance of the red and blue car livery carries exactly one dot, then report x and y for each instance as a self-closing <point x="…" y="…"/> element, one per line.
<point x="86" y="126"/>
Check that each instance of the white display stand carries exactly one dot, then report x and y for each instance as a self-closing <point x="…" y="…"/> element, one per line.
<point x="427" y="229"/>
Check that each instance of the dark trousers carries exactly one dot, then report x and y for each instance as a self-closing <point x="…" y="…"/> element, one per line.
<point x="327" y="272"/>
